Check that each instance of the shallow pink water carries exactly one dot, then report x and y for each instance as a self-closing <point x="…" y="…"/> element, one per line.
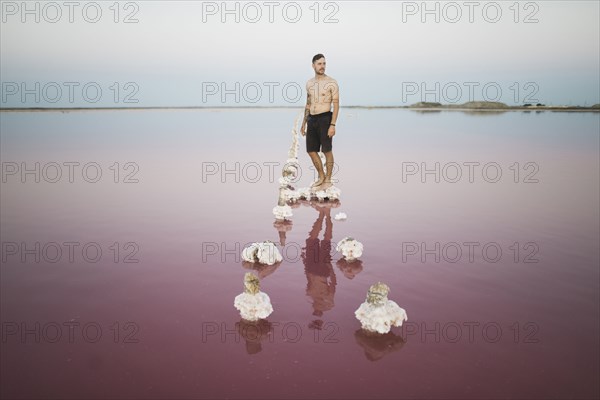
<point x="523" y="326"/>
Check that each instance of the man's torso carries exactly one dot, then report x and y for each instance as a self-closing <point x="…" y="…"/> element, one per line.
<point x="321" y="94"/>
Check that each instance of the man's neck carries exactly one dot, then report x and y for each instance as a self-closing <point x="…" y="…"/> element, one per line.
<point x="319" y="77"/>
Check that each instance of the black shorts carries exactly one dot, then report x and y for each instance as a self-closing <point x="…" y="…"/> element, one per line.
<point x="316" y="133"/>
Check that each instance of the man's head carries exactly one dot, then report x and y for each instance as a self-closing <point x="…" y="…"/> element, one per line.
<point x="318" y="63"/>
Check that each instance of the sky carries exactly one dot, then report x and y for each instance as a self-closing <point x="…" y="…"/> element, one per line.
<point x="382" y="53"/>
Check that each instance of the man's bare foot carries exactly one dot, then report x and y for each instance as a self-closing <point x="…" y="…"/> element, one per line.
<point x="326" y="185"/>
<point x="318" y="182"/>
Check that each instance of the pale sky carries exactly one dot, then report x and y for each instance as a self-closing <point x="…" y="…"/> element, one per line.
<point x="381" y="53"/>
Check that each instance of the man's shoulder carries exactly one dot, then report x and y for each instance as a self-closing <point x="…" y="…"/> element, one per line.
<point x="332" y="82"/>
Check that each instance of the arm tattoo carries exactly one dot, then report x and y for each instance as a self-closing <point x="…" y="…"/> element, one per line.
<point x="307" y="108"/>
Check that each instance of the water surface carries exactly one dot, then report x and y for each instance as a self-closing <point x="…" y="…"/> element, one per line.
<point x="152" y="315"/>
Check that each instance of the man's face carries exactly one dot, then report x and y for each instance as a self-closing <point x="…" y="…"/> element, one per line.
<point x="319" y="66"/>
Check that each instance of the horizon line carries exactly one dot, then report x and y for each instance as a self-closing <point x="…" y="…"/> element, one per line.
<point x="416" y="106"/>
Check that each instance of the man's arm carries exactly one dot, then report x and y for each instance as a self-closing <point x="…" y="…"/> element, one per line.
<point x="335" y="99"/>
<point x="306" y="108"/>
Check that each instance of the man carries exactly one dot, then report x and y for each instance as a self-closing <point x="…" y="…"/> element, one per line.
<point x="319" y="122"/>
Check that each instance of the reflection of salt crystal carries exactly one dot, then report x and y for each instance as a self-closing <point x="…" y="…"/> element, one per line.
<point x="264" y="253"/>
<point x="283" y="226"/>
<point x="350" y="248"/>
<point x="340" y="216"/>
<point x="377" y="313"/>
<point x="282" y="212"/>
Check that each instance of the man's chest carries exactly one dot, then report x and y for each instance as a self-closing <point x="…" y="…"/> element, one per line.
<point x="320" y="90"/>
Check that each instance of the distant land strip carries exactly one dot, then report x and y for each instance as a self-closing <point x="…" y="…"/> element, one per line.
<point x="421" y="106"/>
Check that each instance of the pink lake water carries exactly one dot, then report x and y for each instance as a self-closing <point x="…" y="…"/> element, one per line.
<point x="121" y="256"/>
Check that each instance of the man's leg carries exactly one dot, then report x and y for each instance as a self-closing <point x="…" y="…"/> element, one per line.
<point x="327" y="146"/>
<point x="329" y="165"/>
<point x="319" y="166"/>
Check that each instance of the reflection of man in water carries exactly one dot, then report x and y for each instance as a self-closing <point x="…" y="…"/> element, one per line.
<point x="317" y="264"/>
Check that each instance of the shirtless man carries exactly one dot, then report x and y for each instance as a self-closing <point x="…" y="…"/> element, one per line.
<point x="322" y="91"/>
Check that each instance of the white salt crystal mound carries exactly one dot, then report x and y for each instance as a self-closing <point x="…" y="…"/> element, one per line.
<point x="304" y="193"/>
<point x="377" y="313"/>
<point x="350" y="248"/>
<point x="253" y="304"/>
<point x="291" y="195"/>
<point x="340" y="216"/>
<point x="253" y="307"/>
<point x="291" y="167"/>
<point x="331" y="193"/>
<point x="264" y="253"/>
<point x="282" y="212"/>
<point x="380" y="318"/>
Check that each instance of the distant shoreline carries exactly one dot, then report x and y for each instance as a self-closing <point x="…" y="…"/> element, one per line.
<point x="479" y="106"/>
